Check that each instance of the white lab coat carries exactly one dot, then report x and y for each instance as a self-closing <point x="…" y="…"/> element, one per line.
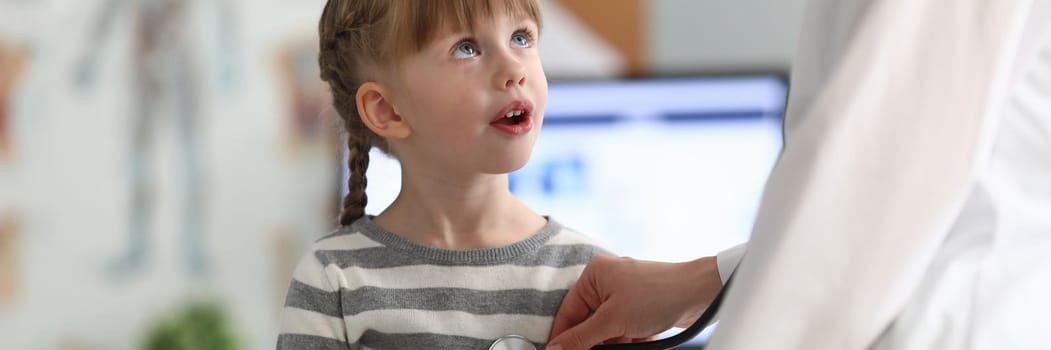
<point x="888" y="198"/>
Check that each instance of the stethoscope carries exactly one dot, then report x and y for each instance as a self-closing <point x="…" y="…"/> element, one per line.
<point x="517" y="342"/>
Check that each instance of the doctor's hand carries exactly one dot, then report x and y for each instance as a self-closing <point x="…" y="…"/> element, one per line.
<point x="622" y="299"/>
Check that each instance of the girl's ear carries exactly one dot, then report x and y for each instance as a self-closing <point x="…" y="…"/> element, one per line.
<point x="378" y="113"/>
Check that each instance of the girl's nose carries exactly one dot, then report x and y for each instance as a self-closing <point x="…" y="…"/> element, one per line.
<point x="511" y="73"/>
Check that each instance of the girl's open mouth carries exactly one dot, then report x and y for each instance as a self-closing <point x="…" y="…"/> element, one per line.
<point x="515" y="118"/>
<point x="512" y="118"/>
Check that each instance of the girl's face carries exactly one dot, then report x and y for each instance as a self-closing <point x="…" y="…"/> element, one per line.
<point x="474" y="100"/>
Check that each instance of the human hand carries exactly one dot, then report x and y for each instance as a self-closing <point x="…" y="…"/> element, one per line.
<point x="623" y="300"/>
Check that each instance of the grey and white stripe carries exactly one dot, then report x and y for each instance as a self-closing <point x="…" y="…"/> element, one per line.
<point x="365" y="288"/>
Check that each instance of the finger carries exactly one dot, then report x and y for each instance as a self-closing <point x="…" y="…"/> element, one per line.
<point x="646" y="339"/>
<point x="589" y="333"/>
<point x="575" y="308"/>
<point x="625" y="340"/>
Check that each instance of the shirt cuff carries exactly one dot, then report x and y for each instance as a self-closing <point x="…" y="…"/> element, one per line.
<point x="727" y="260"/>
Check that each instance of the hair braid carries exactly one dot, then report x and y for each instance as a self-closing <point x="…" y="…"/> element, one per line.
<point x="356" y="199"/>
<point x="349" y="32"/>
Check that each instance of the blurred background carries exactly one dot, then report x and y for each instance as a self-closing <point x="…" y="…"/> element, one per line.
<point x="164" y="163"/>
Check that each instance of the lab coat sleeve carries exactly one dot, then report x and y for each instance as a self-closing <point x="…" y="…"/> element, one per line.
<point x="886" y="126"/>
<point x="727" y="260"/>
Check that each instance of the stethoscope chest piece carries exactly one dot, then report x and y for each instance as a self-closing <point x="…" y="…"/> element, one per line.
<point x="512" y="342"/>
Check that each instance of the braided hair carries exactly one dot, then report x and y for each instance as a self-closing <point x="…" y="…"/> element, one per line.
<point x="349" y="32"/>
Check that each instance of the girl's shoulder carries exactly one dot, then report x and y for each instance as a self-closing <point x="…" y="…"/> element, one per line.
<point x="346" y="246"/>
<point x="568" y="236"/>
<point x="345" y="238"/>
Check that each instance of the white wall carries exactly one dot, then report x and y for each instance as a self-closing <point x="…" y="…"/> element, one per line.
<point x="704" y="36"/>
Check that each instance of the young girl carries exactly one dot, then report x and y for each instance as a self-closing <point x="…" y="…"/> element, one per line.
<point x="455" y="91"/>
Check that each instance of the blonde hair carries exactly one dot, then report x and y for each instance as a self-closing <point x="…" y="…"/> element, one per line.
<point x="360" y="34"/>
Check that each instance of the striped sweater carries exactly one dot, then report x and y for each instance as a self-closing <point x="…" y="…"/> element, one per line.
<point x="362" y="287"/>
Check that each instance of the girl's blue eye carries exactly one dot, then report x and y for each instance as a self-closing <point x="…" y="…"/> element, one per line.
<point x="465" y="49"/>
<point x="520" y="40"/>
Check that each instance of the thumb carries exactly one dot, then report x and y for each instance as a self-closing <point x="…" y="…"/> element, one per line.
<point x="586" y="334"/>
<point x="575" y="308"/>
